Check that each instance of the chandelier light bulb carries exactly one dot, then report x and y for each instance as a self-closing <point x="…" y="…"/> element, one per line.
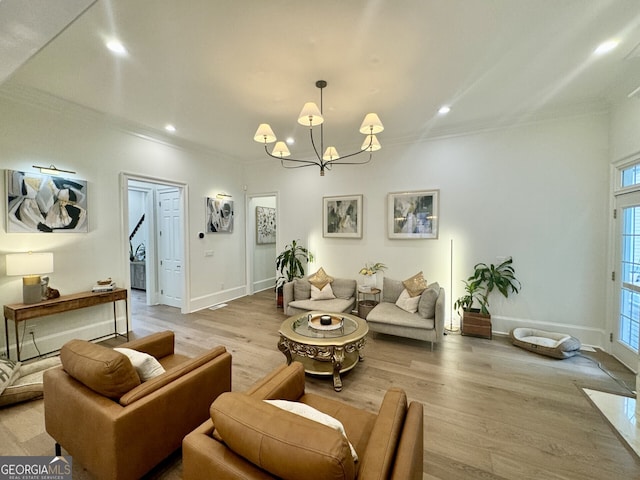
<point x="264" y="134"/>
<point x="371" y="124"/>
<point x="330" y="154"/>
<point x="371" y="144"/>
<point x="310" y="115"/>
<point x="281" y="150"/>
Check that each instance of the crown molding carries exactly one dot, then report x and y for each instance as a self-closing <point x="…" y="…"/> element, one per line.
<point x="37" y="98"/>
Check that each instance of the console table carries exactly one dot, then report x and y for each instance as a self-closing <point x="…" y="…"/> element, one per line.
<point x="20" y="312"/>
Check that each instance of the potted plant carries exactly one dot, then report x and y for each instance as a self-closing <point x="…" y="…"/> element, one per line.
<point x="289" y="265"/>
<point x="369" y="272"/>
<point x="478" y="287"/>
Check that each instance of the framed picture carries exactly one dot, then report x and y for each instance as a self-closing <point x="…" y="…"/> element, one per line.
<point x="413" y="214"/>
<point x="45" y="203"/>
<point x="342" y="216"/>
<point x="265" y="225"/>
<point x="219" y="215"/>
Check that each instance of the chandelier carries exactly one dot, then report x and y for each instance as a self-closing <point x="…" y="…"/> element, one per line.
<point x="311" y="116"/>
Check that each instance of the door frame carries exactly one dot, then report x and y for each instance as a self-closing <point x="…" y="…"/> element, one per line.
<point x="183" y="190"/>
<point x="619" y="350"/>
<point x="250" y="225"/>
<point x="613" y="297"/>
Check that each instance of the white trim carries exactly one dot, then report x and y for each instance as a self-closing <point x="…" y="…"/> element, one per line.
<point x="183" y="188"/>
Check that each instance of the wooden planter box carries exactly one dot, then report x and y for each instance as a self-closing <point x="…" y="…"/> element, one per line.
<point x="476" y="324"/>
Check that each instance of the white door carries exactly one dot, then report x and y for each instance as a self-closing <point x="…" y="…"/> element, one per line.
<point x="171" y="276"/>
<point x="627" y="276"/>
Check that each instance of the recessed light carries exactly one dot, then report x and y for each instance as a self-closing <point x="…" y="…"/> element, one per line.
<point x="116" y="47"/>
<point x="606" y="47"/>
<point x="290" y="141"/>
<point x="443" y="110"/>
<point x="170" y="128"/>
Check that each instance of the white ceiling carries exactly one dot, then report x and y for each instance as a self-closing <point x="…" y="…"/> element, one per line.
<point x="216" y="69"/>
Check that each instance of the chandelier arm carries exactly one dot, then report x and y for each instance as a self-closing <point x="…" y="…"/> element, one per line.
<point x="295" y="166"/>
<point x="314" y="145"/>
<point x="338" y="161"/>
<point x="287" y="159"/>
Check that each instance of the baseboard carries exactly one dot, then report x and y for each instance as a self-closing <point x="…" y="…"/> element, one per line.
<point x="261" y="285"/>
<point x="223" y="296"/>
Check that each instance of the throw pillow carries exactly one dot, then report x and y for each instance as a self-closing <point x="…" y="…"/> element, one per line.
<point x="8" y="372"/>
<point x="324" y="293"/>
<point x="99" y="368"/>
<point x="391" y="290"/>
<point x="320" y="278"/>
<point x="428" y="298"/>
<point x="415" y="285"/>
<point x="316" y="415"/>
<point x="146" y="365"/>
<point x="407" y="302"/>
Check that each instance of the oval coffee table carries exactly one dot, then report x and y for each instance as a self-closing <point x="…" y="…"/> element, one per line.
<point x="324" y="350"/>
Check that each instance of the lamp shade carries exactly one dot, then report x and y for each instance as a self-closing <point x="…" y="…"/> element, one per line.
<point x="264" y="134"/>
<point x="29" y="263"/>
<point x="310" y="115"/>
<point x="281" y="150"/>
<point x="330" y="154"/>
<point x="371" y="124"/>
<point x="371" y="143"/>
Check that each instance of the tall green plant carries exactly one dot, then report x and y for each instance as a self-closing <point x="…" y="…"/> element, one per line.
<point x="484" y="280"/>
<point x="289" y="263"/>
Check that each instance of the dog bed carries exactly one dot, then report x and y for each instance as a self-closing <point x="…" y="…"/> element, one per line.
<point x="552" y="344"/>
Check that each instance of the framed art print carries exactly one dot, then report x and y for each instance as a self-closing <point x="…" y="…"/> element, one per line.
<point x="342" y="216"/>
<point x="219" y="215"/>
<point x="265" y="225"/>
<point x="38" y="203"/>
<point x="413" y="214"/>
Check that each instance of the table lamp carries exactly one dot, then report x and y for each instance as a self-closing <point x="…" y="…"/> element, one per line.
<point x="30" y="266"/>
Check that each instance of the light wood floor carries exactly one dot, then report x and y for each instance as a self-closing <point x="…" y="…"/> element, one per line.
<point x="492" y="410"/>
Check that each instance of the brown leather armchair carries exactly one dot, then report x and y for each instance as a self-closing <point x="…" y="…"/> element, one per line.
<point x="118" y="427"/>
<point x="254" y="440"/>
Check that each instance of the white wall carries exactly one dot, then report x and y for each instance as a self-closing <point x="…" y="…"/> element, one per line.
<point x="538" y="193"/>
<point x="44" y="131"/>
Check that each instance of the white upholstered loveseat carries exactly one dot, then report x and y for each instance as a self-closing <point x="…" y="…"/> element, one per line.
<point x="427" y="323"/>
<point x="296" y="297"/>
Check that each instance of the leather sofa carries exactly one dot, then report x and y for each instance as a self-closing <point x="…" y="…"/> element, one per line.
<point x="118" y="427"/>
<point x="427" y="323"/>
<point x="296" y="297"/>
<point x="246" y="438"/>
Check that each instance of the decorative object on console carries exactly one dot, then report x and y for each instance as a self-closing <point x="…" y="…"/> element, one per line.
<point x="311" y="116"/>
<point x="106" y="285"/>
<point x="30" y="265"/>
<point x="219" y="214"/>
<point x="265" y="225"/>
<point x="478" y="287"/>
<point x="45" y="203"/>
<point x="342" y="216"/>
<point x="413" y="214"/>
